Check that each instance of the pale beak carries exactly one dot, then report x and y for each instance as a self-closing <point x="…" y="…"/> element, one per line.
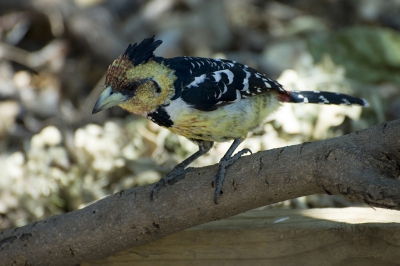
<point x="108" y="98"/>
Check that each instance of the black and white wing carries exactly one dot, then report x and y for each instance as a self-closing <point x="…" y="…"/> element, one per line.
<point x="227" y="83"/>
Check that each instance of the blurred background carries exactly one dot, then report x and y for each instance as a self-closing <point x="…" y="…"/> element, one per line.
<point x="55" y="156"/>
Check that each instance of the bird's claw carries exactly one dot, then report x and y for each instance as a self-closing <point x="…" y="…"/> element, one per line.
<point x="171" y="178"/>
<point x="160" y="184"/>
<point x="220" y="176"/>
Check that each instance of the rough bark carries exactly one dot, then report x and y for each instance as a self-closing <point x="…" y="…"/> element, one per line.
<point x="364" y="165"/>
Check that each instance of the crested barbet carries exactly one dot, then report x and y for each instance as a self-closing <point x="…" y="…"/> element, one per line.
<point x="205" y="100"/>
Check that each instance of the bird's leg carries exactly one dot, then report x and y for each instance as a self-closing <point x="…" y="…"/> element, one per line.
<point x="225" y="161"/>
<point x="180" y="169"/>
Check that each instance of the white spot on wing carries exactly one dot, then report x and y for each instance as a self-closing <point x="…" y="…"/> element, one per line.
<point x="238" y="96"/>
<point x="223" y="92"/>
<point x="246" y="81"/>
<point x="197" y="81"/>
<point x="225" y="89"/>
<point x="217" y="75"/>
<point x="267" y="84"/>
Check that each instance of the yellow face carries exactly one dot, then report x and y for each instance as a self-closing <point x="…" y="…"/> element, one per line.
<point x="147" y="97"/>
<point x="138" y="89"/>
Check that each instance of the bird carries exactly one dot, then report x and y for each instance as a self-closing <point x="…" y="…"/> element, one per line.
<point x="205" y="100"/>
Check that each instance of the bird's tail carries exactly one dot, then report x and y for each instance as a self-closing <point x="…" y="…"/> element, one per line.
<point x="322" y="97"/>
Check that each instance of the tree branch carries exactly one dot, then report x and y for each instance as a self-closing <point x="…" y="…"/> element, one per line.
<point x="364" y="165"/>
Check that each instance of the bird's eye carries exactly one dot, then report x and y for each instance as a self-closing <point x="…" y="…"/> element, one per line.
<point x="130" y="89"/>
<point x="132" y="85"/>
<point x="158" y="89"/>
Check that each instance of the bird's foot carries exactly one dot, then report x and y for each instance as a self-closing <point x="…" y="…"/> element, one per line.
<point x="223" y="164"/>
<point x="171" y="178"/>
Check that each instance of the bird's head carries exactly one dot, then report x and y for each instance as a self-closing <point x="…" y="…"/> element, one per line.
<point x="135" y="82"/>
